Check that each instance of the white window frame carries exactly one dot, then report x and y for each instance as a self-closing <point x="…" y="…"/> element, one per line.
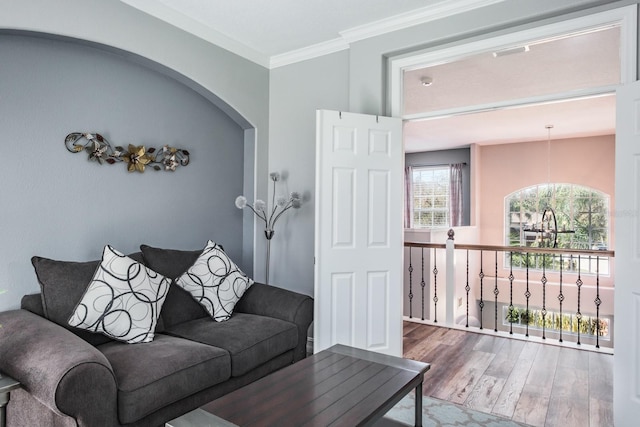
<point x="448" y="195"/>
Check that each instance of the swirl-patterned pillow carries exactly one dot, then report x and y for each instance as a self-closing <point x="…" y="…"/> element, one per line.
<point x="123" y="300"/>
<point x="215" y="281"/>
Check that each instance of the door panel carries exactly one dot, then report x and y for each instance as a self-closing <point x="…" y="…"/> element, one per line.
<point x="359" y="205"/>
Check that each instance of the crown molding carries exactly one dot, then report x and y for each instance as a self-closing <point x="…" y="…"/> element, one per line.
<point x="198" y="29"/>
<point x="394" y="23"/>
<point x="309" y="52"/>
<point x="426" y="14"/>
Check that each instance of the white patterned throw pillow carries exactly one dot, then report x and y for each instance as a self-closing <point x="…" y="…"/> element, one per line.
<point x="123" y="300"/>
<point x="215" y="281"/>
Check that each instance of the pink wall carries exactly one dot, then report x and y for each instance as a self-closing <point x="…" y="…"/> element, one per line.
<point x="503" y="169"/>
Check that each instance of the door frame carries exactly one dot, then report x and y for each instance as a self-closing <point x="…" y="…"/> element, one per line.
<point x="626" y="369"/>
<point x="626" y="17"/>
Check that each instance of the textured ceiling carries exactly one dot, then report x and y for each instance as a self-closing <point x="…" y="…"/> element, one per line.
<point x="571" y="119"/>
<point x="562" y="65"/>
<point x="565" y="65"/>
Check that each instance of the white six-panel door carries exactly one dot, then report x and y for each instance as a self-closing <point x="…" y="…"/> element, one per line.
<point x="626" y="384"/>
<point x="358" y="232"/>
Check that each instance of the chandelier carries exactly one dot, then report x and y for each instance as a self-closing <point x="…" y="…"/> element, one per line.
<point x="546" y="230"/>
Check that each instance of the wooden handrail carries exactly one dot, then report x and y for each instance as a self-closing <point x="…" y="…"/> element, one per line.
<point x="520" y="249"/>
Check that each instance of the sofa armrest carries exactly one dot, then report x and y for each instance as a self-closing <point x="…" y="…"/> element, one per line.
<point x="62" y="371"/>
<point x="270" y="301"/>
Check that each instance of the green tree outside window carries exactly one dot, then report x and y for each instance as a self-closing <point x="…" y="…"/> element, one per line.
<point x="581" y="214"/>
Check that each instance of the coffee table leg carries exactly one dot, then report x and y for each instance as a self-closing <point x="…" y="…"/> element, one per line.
<point x="418" y="416"/>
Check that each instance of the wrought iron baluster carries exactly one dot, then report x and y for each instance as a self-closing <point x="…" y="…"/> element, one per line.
<point x="544" y="296"/>
<point x="527" y="295"/>
<point x="410" y="284"/>
<point x="532" y="310"/>
<point x="481" y="304"/>
<point x="435" y="287"/>
<point x="561" y="299"/>
<point x="579" y="285"/>
<point x="495" y="293"/>
<point x="422" y="284"/>
<point x="467" y="288"/>
<point x="511" y="293"/>
<point x="597" y="301"/>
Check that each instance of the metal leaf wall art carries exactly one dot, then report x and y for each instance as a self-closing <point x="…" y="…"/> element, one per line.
<point x="137" y="157"/>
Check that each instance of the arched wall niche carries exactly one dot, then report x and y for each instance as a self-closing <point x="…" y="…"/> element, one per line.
<point x="234" y="114"/>
<point x="250" y="134"/>
<point x="61" y="206"/>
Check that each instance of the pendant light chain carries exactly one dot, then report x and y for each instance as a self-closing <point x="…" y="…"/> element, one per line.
<point x="549" y="127"/>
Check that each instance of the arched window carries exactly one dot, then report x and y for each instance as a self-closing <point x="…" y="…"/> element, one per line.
<point x="562" y="215"/>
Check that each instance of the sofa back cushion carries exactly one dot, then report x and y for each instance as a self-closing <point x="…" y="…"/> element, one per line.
<point x="62" y="285"/>
<point x="179" y="306"/>
<point x="32" y="303"/>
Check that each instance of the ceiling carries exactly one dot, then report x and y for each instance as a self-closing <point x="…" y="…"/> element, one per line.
<point x="279" y="32"/>
<point x="570" y="119"/>
<point x="566" y="65"/>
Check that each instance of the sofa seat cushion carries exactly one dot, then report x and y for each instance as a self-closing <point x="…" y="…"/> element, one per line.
<point x="251" y="340"/>
<point x="153" y="375"/>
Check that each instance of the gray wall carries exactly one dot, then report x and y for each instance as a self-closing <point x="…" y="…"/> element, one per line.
<point x="238" y="86"/>
<point x="59" y="205"/>
<point x="447" y="157"/>
<point x="292" y="247"/>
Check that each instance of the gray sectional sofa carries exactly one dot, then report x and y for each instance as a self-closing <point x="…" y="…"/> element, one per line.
<point x="73" y="377"/>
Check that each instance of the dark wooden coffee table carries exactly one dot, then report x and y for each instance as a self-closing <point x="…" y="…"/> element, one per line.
<point x="340" y="386"/>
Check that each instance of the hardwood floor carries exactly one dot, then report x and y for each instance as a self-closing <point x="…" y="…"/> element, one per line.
<point x="528" y="382"/>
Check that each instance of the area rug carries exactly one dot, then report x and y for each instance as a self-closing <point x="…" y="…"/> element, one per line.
<point x="438" y="413"/>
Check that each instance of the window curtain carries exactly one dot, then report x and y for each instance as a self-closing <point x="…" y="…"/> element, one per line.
<point x="408" y="197"/>
<point x="455" y="189"/>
